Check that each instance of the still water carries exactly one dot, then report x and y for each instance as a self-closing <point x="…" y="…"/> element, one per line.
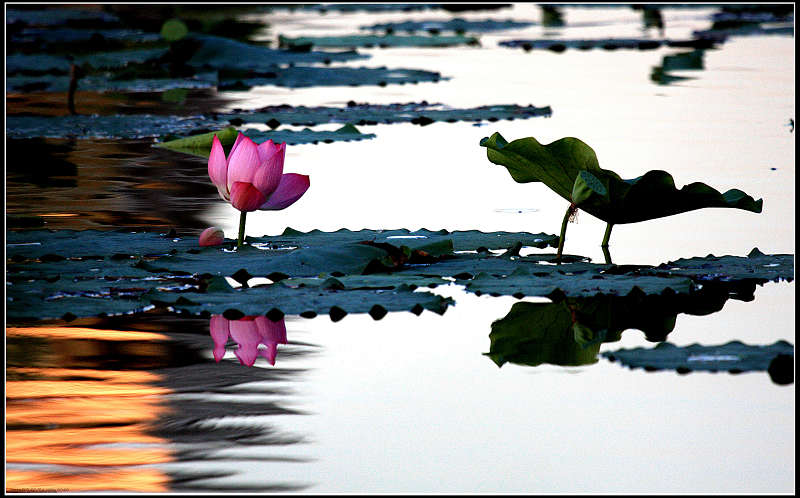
<point x="411" y="403"/>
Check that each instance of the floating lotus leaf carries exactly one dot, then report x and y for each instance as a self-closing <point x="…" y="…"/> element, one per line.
<point x="569" y="167"/>
<point x="200" y="145"/>
<point x="107" y="83"/>
<point x="219" y="297"/>
<point x="58" y="17"/>
<point x="307" y="76"/>
<point x="385" y="41"/>
<point x="522" y="282"/>
<point x="69" y="40"/>
<point x="462" y="240"/>
<point x="217" y="52"/>
<point x="48" y="270"/>
<point x="46" y="63"/>
<point x="611" y="43"/>
<point x="456" y="25"/>
<point x="756" y="266"/>
<point x="134" y="126"/>
<point x="419" y="113"/>
<point x="734" y="357"/>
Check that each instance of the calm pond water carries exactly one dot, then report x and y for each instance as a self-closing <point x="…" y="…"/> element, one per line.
<point x="411" y="403"/>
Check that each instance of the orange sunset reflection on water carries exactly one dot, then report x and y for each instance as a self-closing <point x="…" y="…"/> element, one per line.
<point x="63" y="410"/>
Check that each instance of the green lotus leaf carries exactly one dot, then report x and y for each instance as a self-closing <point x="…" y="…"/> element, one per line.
<point x="652" y="195"/>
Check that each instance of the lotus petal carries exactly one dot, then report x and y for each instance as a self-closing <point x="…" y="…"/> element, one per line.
<point x="243" y="163"/>
<point x="245" y="197"/>
<point x="291" y="188"/>
<point x="218" y="168"/>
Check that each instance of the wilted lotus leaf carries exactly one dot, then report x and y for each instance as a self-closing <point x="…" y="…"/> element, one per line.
<point x="570" y="168"/>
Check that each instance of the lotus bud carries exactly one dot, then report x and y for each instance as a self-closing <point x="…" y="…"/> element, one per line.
<point x="212" y="236"/>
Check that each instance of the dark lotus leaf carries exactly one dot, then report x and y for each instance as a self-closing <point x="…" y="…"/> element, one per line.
<point x="455" y="25"/>
<point x="133" y="126"/>
<point x="356" y="7"/>
<point x="41" y="63"/>
<point x="58" y="17"/>
<point x="354" y="41"/>
<point x="200" y="145"/>
<point x="216" y="52"/>
<point x="389" y="113"/>
<point x="62" y="38"/>
<point x="756" y="266"/>
<point x="367" y="282"/>
<point x="34" y="244"/>
<point x="731" y="357"/>
<point x="220" y="297"/>
<point x="611" y="43"/>
<point x="525" y="283"/>
<point x="107" y="83"/>
<point x="418" y="239"/>
<point x="570" y="168"/>
<point x="306" y="76"/>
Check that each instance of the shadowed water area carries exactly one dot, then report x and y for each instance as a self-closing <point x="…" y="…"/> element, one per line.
<point x="405" y="326"/>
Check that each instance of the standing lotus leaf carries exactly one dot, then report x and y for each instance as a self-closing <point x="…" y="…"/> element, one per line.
<point x="570" y="168"/>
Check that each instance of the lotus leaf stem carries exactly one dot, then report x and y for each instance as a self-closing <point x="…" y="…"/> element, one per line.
<point x="242" y="218"/>
<point x="604" y="244"/>
<point x="607" y="235"/>
<point x="570" y="211"/>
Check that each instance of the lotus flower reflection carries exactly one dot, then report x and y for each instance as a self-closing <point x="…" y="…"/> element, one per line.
<point x="251" y="177"/>
<point x="248" y="332"/>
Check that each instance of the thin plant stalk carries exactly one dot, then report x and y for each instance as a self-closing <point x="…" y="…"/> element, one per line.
<point x="570" y="210"/>
<point x="607" y="235"/>
<point x="604" y="244"/>
<point x="242" y="218"/>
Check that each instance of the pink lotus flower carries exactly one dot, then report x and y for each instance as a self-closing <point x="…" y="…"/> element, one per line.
<point x="212" y="236"/>
<point x="252" y="176"/>
<point x="248" y="333"/>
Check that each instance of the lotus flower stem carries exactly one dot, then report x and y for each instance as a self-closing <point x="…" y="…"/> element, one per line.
<point x="570" y="211"/>
<point x="240" y="240"/>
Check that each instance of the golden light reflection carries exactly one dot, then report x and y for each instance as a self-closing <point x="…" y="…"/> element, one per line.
<point x="95" y="422"/>
<point x="143" y="480"/>
<point x="84" y="333"/>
